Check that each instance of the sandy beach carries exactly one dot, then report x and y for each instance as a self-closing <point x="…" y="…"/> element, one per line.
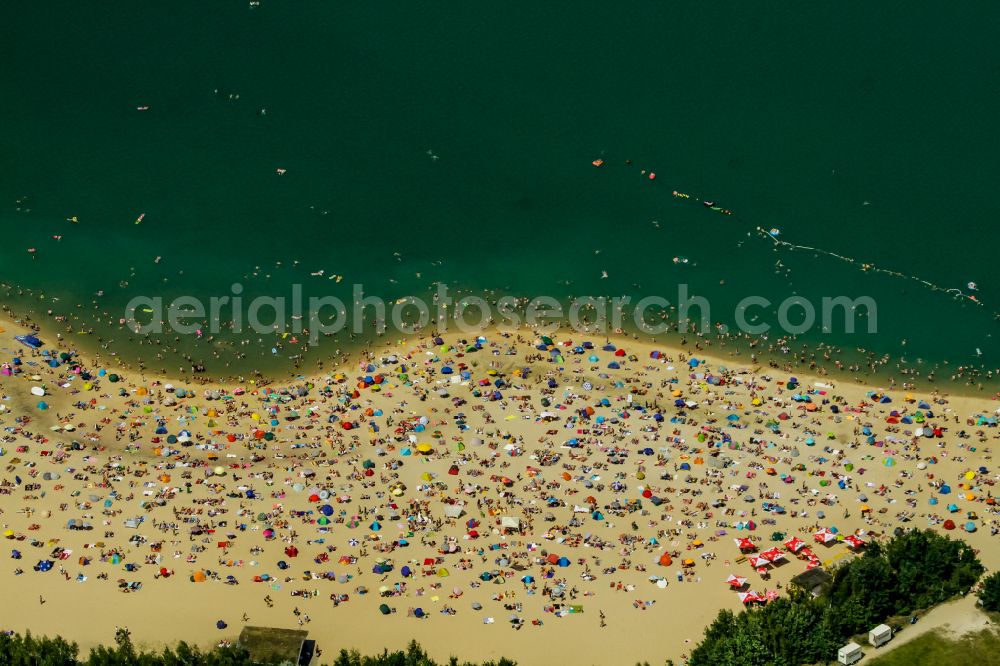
<point x="571" y="500"/>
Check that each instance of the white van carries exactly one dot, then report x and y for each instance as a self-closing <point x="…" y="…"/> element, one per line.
<point x="880" y="635"/>
<point x="849" y="654"/>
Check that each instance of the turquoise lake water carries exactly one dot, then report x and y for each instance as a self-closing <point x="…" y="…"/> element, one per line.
<point x="453" y="143"/>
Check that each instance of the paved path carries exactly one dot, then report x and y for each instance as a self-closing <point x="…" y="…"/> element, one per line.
<point x="956" y="618"/>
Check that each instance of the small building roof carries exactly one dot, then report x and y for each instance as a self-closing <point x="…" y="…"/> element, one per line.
<point x="814" y="580"/>
<point x="272" y="644"/>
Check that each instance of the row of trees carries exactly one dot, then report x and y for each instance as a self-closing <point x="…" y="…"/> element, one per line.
<point x="913" y="571"/>
<point x="27" y="650"/>
<point x="413" y="656"/>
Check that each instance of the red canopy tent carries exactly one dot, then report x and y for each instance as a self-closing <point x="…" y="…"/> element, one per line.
<point x="825" y="535"/>
<point x="854" y="541"/>
<point x="795" y="544"/>
<point x="745" y="544"/>
<point x="772" y="555"/>
<point x="735" y="581"/>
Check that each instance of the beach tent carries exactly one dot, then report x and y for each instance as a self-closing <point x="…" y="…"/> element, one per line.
<point x="510" y="523"/>
<point x="453" y="510"/>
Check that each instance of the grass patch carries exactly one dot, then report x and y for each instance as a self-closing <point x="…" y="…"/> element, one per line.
<point x="933" y="649"/>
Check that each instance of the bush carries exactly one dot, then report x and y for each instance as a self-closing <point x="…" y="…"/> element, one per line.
<point x="989" y="595"/>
